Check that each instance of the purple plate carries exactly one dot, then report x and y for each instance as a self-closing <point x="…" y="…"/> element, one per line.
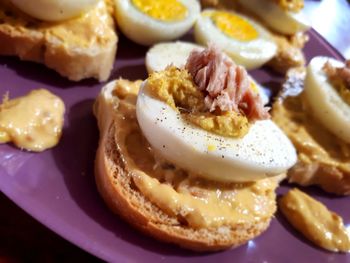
<point x="57" y="186"/>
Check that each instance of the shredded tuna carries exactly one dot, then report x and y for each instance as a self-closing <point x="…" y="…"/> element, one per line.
<point x="341" y="73"/>
<point x="226" y="85"/>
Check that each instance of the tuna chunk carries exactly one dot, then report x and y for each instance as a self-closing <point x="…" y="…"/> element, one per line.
<point x="226" y="85"/>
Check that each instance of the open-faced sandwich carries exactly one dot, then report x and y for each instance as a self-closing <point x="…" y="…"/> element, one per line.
<point x="317" y="120"/>
<point x="189" y="156"/>
<point x="75" y="38"/>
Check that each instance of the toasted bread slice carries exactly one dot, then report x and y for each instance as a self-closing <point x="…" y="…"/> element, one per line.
<point x="114" y="179"/>
<point x="78" y="48"/>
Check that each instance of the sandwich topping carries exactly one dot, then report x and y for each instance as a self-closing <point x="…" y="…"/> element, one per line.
<point x="191" y="115"/>
<point x="226" y="85"/>
<point x="212" y="92"/>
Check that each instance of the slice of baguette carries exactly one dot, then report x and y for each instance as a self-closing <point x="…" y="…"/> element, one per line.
<point x="115" y="184"/>
<point x="78" y="48"/>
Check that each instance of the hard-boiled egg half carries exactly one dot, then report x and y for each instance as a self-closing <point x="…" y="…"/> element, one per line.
<point x="54" y="10"/>
<point x="282" y="21"/>
<point x="265" y="151"/>
<point x="324" y="100"/>
<point x="262" y="151"/>
<point x="161" y="55"/>
<point x="244" y="40"/>
<point x="147" y="22"/>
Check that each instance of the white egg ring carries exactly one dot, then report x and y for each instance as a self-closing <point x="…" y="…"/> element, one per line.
<point x="276" y="18"/>
<point x="249" y="54"/>
<point x="159" y="56"/>
<point x="232" y="160"/>
<point x="326" y="104"/>
<point x="153" y="31"/>
<point x="54" y="10"/>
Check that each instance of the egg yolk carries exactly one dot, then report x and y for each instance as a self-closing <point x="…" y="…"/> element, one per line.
<point x="254" y="87"/>
<point x="163" y="10"/>
<point x="234" y="26"/>
<point x="176" y="88"/>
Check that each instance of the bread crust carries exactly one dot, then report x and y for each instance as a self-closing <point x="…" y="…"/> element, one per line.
<point x="329" y="178"/>
<point x="76" y="62"/>
<point x="115" y="184"/>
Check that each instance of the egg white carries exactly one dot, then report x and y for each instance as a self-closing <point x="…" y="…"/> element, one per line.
<point x="54" y="10"/>
<point x="265" y="151"/>
<point x="325" y="102"/>
<point x="250" y="54"/>
<point x="146" y="30"/>
<point x="161" y="55"/>
<point x="281" y="21"/>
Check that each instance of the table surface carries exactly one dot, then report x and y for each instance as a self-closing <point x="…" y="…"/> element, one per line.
<point x="331" y="18"/>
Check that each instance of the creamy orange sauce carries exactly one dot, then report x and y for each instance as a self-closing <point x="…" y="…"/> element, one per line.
<point x="199" y="202"/>
<point x="32" y="122"/>
<point x="311" y="218"/>
<point x="85" y="30"/>
<point x="312" y="141"/>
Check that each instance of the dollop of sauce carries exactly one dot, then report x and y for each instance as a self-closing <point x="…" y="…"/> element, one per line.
<point x="163" y="10"/>
<point x="197" y="202"/>
<point x="32" y="122"/>
<point x="311" y="218"/>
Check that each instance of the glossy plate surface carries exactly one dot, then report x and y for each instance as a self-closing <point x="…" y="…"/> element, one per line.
<point x="57" y="186"/>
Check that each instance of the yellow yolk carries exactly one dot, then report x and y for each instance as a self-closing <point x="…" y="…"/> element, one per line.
<point x="176" y="88"/>
<point x="211" y="147"/>
<point x="254" y="87"/>
<point x="164" y="10"/>
<point x="234" y="26"/>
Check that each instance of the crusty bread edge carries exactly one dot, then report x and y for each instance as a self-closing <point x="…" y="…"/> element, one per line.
<point x="329" y="178"/>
